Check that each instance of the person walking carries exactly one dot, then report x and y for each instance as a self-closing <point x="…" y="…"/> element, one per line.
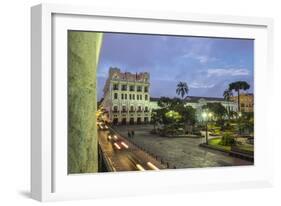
<point x="129" y="134"/>
<point x="133" y="133"/>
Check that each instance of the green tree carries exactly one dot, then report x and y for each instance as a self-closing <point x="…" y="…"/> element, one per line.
<point x="247" y="122"/>
<point x="165" y="102"/>
<point x="218" y="111"/>
<point x="237" y="86"/>
<point x="216" y="108"/>
<point x="182" y="89"/>
<point x="156" y="117"/>
<point x="173" y="116"/>
<point x="172" y="121"/>
<point x="227" y="139"/>
<point x="168" y="103"/>
<point x="188" y="113"/>
<point x="227" y="94"/>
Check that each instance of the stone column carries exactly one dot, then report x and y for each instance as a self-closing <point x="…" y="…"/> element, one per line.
<point x="83" y="55"/>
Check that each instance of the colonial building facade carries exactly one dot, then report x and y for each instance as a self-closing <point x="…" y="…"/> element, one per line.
<point x="246" y="102"/>
<point x="126" y="97"/>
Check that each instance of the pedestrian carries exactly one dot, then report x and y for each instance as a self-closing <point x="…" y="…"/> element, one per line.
<point x="133" y="133"/>
<point x="129" y="134"/>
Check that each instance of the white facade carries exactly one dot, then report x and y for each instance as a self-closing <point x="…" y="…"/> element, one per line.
<point x="126" y="97"/>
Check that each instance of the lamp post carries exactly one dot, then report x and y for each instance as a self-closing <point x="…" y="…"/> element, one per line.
<point x="239" y="122"/>
<point x="207" y="116"/>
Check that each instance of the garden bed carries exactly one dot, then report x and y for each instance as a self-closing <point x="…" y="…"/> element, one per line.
<point x="183" y="136"/>
<point x="215" y="142"/>
<point x="241" y="151"/>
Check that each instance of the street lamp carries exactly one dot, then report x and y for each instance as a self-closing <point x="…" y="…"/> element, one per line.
<point x="239" y="122"/>
<point x="207" y="116"/>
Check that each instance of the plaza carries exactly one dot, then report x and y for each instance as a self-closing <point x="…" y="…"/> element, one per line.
<point x="179" y="152"/>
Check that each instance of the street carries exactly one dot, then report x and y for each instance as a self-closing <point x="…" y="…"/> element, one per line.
<point x="124" y="156"/>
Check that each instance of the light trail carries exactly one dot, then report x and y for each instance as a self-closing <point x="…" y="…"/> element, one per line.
<point x="117" y="146"/>
<point x="140" y="167"/>
<point x="152" y="166"/>
<point x="125" y="145"/>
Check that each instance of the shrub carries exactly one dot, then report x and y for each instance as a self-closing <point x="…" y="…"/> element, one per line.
<point x="227" y="139"/>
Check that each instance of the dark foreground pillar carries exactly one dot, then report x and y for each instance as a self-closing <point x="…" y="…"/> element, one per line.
<point x="83" y="55"/>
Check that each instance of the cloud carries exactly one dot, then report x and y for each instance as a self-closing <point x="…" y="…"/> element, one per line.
<point x="201" y="58"/>
<point x="198" y="85"/>
<point x="228" y="72"/>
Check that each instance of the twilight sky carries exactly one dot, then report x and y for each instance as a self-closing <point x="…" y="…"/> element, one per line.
<point x="207" y="65"/>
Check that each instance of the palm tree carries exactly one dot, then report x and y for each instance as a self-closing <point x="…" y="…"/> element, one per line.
<point x="227" y="94"/>
<point x="182" y="89"/>
<point x="237" y="86"/>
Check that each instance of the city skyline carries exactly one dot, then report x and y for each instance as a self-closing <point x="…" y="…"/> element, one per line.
<point x="208" y="65"/>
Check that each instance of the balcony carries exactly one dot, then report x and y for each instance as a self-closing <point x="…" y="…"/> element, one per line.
<point x="146" y="110"/>
<point x="139" y="89"/>
<point x="139" y="110"/>
<point x="124" y="88"/>
<point x="115" y="111"/>
<point x="124" y="111"/>
<point x="131" y="111"/>
<point x="132" y="89"/>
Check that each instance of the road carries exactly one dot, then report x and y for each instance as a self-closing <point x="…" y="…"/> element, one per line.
<point x="128" y="157"/>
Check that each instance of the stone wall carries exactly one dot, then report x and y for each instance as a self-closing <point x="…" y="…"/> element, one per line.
<point x="83" y="55"/>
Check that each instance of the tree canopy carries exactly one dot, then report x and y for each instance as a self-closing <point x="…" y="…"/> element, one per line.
<point x="182" y="89"/>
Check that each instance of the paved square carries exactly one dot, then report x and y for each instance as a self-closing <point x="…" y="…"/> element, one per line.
<point x="180" y="152"/>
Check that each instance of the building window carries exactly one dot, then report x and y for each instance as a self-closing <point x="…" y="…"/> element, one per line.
<point x="115" y="87"/>
<point x="140" y="97"/>
<point x="115" y="96"/>
<point x="125" y="96"/>
<point x="122" y="96"/>
<point x="124" y="87"/>
<point x="146" y="120"/>
<point x="139" y="109"/>
<point x="115" y="109"/>
<point x="133" y="96"/>
<point x="132" y="109"/>
<point x="130" y="96"/>
<point x="146" y="97"/>
<point x="137" y="97"/>
<point x="139" y="89"/>
<point x="146" y="109"/>
<point x="123" y="108"/>
<point x="132" y="88"/>
<point x="145" y="89"/>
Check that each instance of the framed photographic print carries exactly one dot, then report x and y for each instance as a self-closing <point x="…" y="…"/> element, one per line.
<point x="135" y="102"/>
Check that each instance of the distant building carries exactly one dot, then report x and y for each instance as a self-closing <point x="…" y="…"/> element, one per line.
<point x="246" y="102"/>
<point x="198" y="102"/>
<point x="126" y="97"/>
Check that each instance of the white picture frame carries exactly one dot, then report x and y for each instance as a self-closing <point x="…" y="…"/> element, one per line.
<point x="49" y="180"/>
